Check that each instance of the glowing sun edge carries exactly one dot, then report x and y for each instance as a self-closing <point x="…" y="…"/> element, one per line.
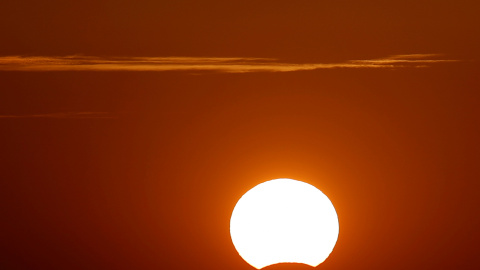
<point x="284" y="221"/>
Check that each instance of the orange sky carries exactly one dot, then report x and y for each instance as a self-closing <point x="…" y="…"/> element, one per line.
<point x="129" y="129"/>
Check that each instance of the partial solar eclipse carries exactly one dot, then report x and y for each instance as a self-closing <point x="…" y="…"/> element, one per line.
<point x="284" y="221"/>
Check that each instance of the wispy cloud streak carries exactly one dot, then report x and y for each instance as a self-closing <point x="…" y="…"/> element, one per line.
<point x="65" y="115"/>
<point x="217" y="64"/>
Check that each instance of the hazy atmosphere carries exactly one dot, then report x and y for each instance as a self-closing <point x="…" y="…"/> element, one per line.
<point x="130" y="129"/>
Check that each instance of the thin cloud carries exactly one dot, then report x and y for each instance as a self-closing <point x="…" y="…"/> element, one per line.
<point x="415" y="56"/>
<point x="217" y="64"/>
<point x="65" y="115"/>
<point x="406" y="60"/>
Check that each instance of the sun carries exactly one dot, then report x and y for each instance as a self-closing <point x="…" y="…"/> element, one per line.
<point x="284" y="221"/>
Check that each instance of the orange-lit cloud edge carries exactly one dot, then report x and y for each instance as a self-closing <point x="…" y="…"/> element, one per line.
<point x="215" y="64"/>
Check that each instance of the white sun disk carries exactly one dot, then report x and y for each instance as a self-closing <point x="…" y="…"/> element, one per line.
<point x="284" y="221"/>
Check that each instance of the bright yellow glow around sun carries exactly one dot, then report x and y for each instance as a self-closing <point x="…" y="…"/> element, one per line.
<point x="284" y="221"/>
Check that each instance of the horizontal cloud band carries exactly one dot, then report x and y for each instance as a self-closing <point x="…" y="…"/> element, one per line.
<point x="217" y="64"/>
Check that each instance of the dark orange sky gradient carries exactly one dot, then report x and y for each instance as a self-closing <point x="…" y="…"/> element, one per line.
<point x="135" y="169"/>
